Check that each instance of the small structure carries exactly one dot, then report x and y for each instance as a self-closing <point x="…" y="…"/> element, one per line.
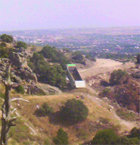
<point x="74" y="77"/>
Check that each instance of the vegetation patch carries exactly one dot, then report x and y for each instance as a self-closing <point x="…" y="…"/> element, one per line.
<point x="127" y="115"/>
<point x="20" y="89"/>
<point x="110" y="137"/>
<point x="61" y="138"/>
<point x="74" y="111"/>
<point x="51" y="74"/>
<point x="118" y="77"/>
<point x="44" y="110"/>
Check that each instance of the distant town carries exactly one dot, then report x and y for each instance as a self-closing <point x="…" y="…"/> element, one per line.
<point x="99" y="40"/>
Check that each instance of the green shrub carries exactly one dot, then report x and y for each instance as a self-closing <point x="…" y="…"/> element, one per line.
<point x="118" y="77"/>
<point x="20" y="89"/>
<point x="105" y="92"/>
<point x="135" y="132"/>
<point x="78" y="57"/>
<point x="105" y="137"/>
<point x="44" y="110"/>
<point x="21" y="44"/>
<point x="3" y="44"/>
<point x="47" y="142"/>
<point x="126" y="114"/>
<point x="74" y="111"/>
<point x="61" y="138"/>
<point x="4" y="52"/>
<point x="127" y="141"/>
<point x="109" y="137"/>
<point x="6" y="38"/>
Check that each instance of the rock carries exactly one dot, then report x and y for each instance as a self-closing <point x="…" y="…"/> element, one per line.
<point x="34" y="90"/>
<point x="22" y="70"/>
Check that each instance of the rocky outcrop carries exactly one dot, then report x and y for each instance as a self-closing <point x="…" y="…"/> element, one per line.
<point x="3" y="65"/>
<point x="22" y="70"/>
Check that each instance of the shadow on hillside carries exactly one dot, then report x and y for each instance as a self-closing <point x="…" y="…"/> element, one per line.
<point x="56" y="119"/>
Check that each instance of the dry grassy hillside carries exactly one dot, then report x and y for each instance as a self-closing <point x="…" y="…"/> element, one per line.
<point x="101" y="115"/>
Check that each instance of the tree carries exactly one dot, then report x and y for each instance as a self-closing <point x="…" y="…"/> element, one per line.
<point x="6" y="38"/>
<point x="51" y="74"/>
<point x="78" y="57"/>
<point x="21" y="44"/>
<point x="138" y="59"/>
<point x="7" y="120"/>
<point x="74" y="111"/>
<point x="7" y="113"/>
<point x="118" y="77"/>
<point x="54" y="55"/>
<point x="61" y="138"/>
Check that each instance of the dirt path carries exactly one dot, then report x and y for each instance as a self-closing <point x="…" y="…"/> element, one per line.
<point x="105" y="67"/>
<point x="102" y="66"/>
<point x="128" y="124"/>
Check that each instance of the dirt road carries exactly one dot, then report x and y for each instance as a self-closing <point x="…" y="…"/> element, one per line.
<point x="102" y="66"/>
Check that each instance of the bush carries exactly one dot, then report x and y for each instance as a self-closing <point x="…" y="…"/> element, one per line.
<point x="4" y="52"/>
<point x="3" y="44"/>
<point x="61" y="138"/>
<point x="47" y="142"/>
<point x="78" y="57"/>
<point x="118" y="77"/>
<point x="105" y="137"/>
<point x="74" y="111"/>
<point x="105" y="93"/>
<point x="127" y="141"/>
<point x="20" y="89"/>
<point x="126" y="114"/>
<point x="21" y="44"/>
<point x="6" y="38"/>
<point x="44" y="110"/>
<point x="109" y="137"/>
<point x="135" y="132"/>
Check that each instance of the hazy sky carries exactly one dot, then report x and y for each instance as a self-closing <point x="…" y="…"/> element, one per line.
<point x="46" y="14"/>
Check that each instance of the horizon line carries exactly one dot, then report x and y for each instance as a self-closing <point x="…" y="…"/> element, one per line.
<point x="70" y="28"/>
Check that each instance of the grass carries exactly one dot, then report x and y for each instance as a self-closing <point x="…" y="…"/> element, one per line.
<point x="126" y="115"/>
<point x="20" y="133"/>
<point x="99" y="117"/>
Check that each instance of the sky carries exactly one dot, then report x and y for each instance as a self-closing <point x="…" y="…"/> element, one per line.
<point x="50" y="14"/>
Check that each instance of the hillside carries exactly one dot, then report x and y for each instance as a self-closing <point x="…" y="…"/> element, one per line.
<point x="40" y="77"/>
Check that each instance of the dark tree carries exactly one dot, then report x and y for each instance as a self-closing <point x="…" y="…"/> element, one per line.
<point x="21" y="44"/>
<point x="6" y="38"/>
<point x="74" y="111"/>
